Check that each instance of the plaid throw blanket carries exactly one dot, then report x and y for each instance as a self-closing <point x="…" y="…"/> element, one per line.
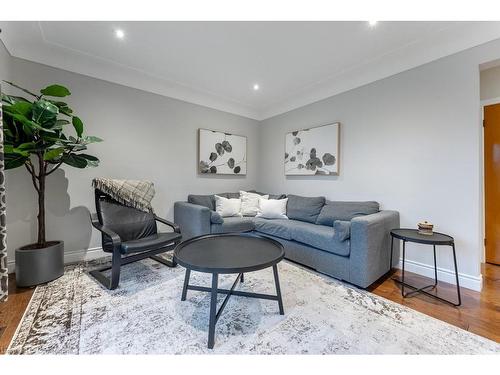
<point x="131" y="193"/>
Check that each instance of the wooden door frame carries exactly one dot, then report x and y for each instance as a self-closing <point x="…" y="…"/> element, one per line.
<point x="484" y="103"/>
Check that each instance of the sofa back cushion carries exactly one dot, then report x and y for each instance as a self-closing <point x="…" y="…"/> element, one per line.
<point x="203" y="200"/>
<point x="271" y="196"/>
<point x="337" y="210"/>
<point x="304" y="208"/>
<point x="229" y="195"/>
<point x="209" y="200"/>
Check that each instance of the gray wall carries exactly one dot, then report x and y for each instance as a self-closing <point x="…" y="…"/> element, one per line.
<point x="146" y="136"/>
<point x="412" y="142"/>
<point x="490" y="83"/>
<point x="5" y="65"/>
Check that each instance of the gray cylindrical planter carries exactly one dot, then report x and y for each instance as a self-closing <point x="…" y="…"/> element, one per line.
<point x="37" y="266"/>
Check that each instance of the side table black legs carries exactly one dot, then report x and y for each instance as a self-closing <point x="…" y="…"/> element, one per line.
<point x="456" y="275"/>
<point x="408" y="235"/>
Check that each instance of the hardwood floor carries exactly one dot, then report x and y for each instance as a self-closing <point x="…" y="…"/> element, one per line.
<point x="479" y="313"/>
<point x="12" y="311"/>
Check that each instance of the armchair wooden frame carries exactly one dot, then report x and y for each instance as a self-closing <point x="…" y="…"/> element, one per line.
<point x="118" y="259"/>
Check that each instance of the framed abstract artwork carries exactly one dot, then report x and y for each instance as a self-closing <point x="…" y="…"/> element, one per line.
<point x="221" y="153"/>
<point x="313" y="151"/>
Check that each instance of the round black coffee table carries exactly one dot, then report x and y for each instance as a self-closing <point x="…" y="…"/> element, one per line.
<point x="224" y="254"/>
<point x="436" y="239"/>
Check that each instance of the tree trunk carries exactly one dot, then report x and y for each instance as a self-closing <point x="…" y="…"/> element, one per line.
<point x="41" y="203"/>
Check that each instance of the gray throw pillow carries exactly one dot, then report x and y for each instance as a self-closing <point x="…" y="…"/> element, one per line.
<point x="271" y="196"/>
<point x="337" y="210"/>
<point x="216" y="218"/>
<point x="342" y="230"/>
<point x="229" y="195"/>
<point x="304" y="208"/>
<point x="202" y="200"/>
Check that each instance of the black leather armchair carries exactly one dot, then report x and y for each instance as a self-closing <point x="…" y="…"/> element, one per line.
<point x="130" y="235"/>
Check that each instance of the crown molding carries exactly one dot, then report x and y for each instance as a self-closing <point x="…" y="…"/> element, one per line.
<point x="448" y="42"/>
<point x="30" y="44"/>
<point x="36" y="49"/>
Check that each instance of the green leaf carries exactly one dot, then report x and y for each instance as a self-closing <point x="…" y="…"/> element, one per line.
<point x="56" y="91"/>
<point x="66" y="111"/>
<point x="45" y="113"/>
<point x="23" y="108"/>
<point x="53" y="153"/>
<point x="14" y="161"/>
<point x="91" y="139"/>
<point x="88" y="157"/>
<point x="63" y="107"/>
<point x="92" y="161"/>
<point x="78" y="125"/>
<point x="9" y="149"/>
<point x="74" y="161"/>
<point x="62" y="122"/>
<point x="28" y="125"/>
<point x="11" y="99"/>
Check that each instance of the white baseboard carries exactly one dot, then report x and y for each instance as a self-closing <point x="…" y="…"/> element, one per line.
<point x="71" y="256"/>
<point x="446" y="275"/>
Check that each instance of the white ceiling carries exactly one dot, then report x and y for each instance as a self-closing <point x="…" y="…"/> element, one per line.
<point x="215" y="64"/>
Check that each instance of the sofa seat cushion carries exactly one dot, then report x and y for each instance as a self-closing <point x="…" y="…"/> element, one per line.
<point x="234" y="224"/>
<point x="280" y="228"/>
<point x="155" y="241"/>
<point x="321" y="237"/>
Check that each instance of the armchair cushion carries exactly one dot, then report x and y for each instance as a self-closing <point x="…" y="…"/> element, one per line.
<point x="155" y="241"/>
<point x="129" y="223"/>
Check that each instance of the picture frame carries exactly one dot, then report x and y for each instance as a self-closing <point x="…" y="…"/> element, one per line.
<point x="313" y="151"/>
<point x="221" y="153"/>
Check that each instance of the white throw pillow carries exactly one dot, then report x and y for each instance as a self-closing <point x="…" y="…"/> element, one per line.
<point x="272" y="208"/>
<point x="250" y="203"/>
<point x="227" y="207"/>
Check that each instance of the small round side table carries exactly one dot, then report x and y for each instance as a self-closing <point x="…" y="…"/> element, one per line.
<point x="436" y="239"/>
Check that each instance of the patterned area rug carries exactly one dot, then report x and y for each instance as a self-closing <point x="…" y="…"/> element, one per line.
<point x="75" y="315"/>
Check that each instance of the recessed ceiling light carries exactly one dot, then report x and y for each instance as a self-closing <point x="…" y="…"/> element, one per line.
<point x="119" y="33"/>
<point x="256" y="87"/>
<point x="372" y="23"/>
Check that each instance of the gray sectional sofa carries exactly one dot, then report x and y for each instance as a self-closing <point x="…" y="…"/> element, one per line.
<point x="346" y="240"/>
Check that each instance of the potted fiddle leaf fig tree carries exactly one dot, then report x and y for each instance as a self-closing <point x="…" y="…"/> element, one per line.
<point x="36" y="138"/>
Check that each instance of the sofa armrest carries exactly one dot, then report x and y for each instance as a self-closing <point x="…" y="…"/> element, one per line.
<point x="193" y="219"/>
<point x="371" y="247"/>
